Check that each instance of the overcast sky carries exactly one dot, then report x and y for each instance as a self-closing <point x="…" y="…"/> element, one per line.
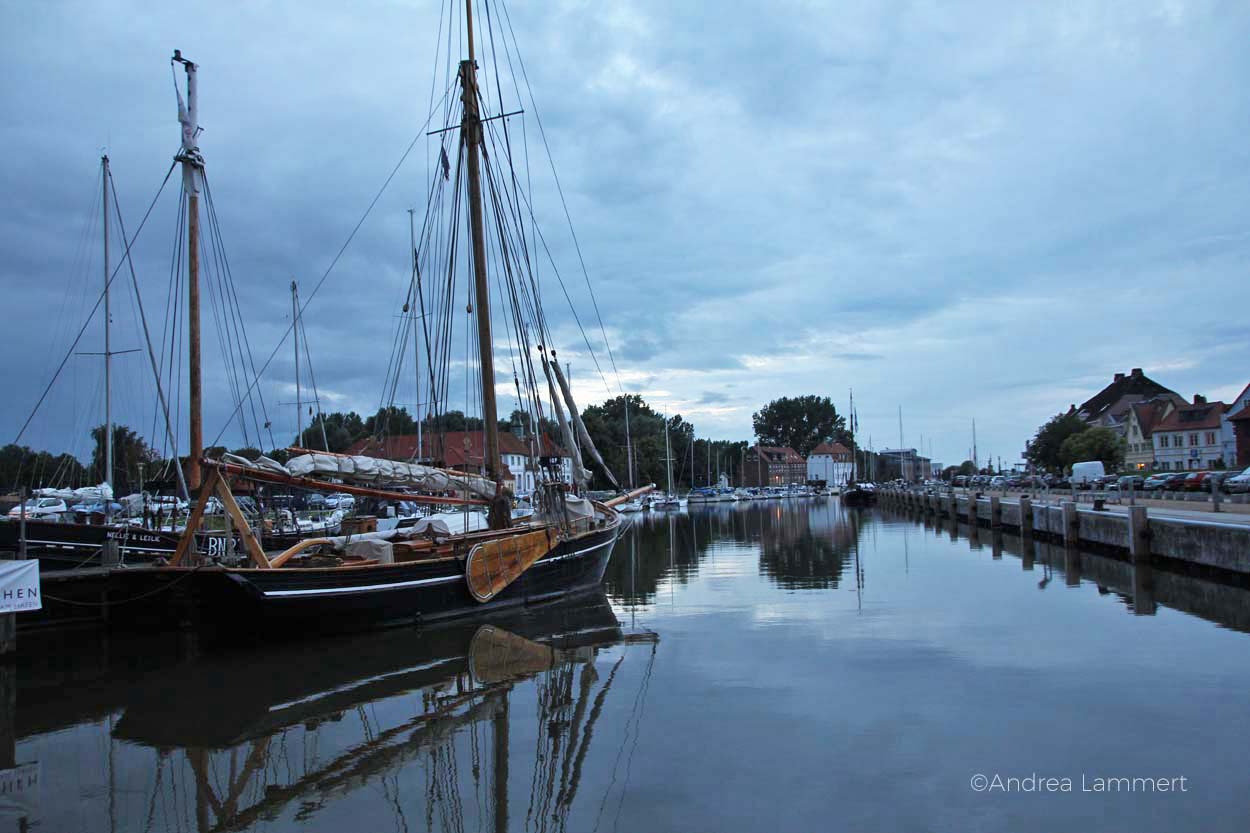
<point x="971" y="210"/>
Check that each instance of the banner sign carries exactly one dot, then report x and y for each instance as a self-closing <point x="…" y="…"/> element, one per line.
<point x="19" y="586"/>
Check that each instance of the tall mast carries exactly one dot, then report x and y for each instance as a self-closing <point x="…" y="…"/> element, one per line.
<point x="192" y="169"/>
<point x="299" y="403"/>
<point x="471" y="135"/>
<point x="416" y="335"/>
<point x="668" y="458"/>
<point x="108" y="350"/>
<point x="629" y="446"/>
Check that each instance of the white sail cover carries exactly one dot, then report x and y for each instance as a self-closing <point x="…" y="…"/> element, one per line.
<point x="580" y="475"/>
<point x="87" y="494"/>
<point x="372" y="471"/>
<point x="587" y="442"/>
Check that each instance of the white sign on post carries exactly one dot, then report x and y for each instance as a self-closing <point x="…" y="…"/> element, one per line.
<point x="19" y="586"/>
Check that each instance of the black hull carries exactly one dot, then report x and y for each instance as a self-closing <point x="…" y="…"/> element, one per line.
<point x="60" y="545"/>
<point x="292" y="602"/>
<point x="859" y="497"/>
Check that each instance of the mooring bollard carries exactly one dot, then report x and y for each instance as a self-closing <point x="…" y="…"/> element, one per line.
<point x="1070" y="529"/>
<point x="1026" y="517"/>
<point x="1216" y="497"/>
<point x="1138" y="534"/>
<point x="996" y="512"/>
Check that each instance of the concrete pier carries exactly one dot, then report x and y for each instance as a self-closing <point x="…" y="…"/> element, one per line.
<point x="1218" y="541"/>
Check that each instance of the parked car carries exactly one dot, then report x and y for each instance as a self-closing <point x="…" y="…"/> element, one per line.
<point x="1055" y="482"/>
<point x="998" y="482"/>
<point x="1107" y="481"/>
<point x="97" y="508"/>
<point x="1175" y="481"/>
<point x="1195" y="481"/>
<point x="340" y="501"/>
<point x="1156" y="481"/>
<point x="1238" y="482"/>
<point x="40" y="507"/>
<point x="316" y="501"/>
<point x="1217" y="479"/>
<point x="1131" y="481"/>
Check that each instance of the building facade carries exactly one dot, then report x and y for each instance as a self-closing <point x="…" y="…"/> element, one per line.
<point x="829" y="463"/>
<point x="1139" y="425"/>
<point x="767" y="465"/>
<point x="1192" y="437"/>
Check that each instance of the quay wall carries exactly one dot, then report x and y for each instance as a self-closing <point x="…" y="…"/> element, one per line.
<point x="1214" y="543"/>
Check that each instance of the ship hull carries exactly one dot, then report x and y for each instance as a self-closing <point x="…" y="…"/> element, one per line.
<point x="296" y="601"/>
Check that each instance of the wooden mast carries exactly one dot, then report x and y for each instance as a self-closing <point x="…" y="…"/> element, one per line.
<point x="108" y="348"/>
<point x="192" y="165"/>
<point x="471" y="135"/>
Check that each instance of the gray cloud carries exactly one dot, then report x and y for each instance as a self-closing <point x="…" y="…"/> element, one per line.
<point x="970" y="212"/>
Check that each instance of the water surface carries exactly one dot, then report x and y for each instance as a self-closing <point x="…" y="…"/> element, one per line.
<point x="779" y="666"/>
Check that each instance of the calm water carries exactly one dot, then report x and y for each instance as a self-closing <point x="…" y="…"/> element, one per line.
<point x="784" y="667"/>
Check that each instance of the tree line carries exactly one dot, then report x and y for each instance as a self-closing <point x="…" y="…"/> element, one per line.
<point x="801" y="423"/>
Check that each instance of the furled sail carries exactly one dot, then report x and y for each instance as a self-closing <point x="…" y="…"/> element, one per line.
<point x="92" y="494"/>
<point x="580" y="475"/>
<point x="587" y="442"/>
<point x="372" y="470"/>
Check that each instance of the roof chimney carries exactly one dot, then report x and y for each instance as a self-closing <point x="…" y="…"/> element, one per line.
<point x="1119" y="377"/>
<point x="1136" y="372"/>
<point x="1199" y="399"/>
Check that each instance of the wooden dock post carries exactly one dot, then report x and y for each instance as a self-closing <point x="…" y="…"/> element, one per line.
<point x="1138" y="534"/>
<point x="1026" y="517"/>
<point x="996" y="512"/>
<point x="1070" y="529"/>
<point x="954" y="510"/>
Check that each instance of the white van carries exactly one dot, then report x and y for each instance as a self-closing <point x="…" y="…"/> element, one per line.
<point x="1084" y="474"/>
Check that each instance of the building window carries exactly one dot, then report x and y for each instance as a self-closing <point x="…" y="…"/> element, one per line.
<point x="1210" y="438"/>
<point x="1163" y="441"/>
<point x="1193" y="439"/>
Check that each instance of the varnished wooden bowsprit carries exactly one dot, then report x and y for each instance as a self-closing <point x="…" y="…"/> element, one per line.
<point x="492" y="565"/>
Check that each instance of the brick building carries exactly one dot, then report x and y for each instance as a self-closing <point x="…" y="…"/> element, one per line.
<point x="768" y="465"/>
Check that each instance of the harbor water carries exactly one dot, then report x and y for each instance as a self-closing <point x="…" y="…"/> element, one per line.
<point x="779" y="666"/>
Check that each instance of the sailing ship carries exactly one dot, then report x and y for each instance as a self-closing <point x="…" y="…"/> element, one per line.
<point x="443" y="566"/>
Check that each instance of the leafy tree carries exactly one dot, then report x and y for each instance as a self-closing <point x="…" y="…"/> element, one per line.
<point x="22" y="466"/>
<point x="1044" y="449"/>
<point x="129" y="452"/>
<point x="341" y="430"/>
<point x="390" y="422"/>
<point x="1093" y="444"/>
<point x="450" y="421"/>
<point x="801" y="422"/>
<point x="520" y="422"/>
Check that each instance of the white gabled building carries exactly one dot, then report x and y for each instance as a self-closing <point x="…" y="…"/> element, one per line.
<point x="830" y="462"/>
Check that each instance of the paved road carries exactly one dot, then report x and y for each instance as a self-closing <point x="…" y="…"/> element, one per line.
<point x="1186" y="510"/>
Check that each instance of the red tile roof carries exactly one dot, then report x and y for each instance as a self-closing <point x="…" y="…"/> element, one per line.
<point x="1193" y="418"/>
<point x="779" y="454"/>
<point x="834" y="449"/>
<point x="1241" y="415"/>
<point x="457" y="448"/>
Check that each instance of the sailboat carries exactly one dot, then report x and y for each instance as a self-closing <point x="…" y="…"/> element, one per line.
<point x="76" y="538"/>
<point x="445" y="566"/>
<point x="669" y="500"/>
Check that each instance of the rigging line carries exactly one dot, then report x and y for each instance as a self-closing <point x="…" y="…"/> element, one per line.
<point x="246" y="341"/>
<point x="313" y="378"/>
<point x="560" y="190"/>
<point x="99" y="301"/>
<point x="147" y="338"/>
<point x="321" y="281"/>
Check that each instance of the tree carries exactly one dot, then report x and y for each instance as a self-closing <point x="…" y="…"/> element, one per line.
<point x="341" y="430"/>
<point x="1093" y="444"/>
<point x="390" y="422"/>
<point x="22" y="466"/>
<point x="1044" y="449"/>
<point x="801" y="423"/>
<point x="129" y="452"/>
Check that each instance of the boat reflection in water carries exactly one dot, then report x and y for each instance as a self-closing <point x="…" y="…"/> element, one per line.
<point x="800" y="545"/>
<point x="441" y="723"/>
